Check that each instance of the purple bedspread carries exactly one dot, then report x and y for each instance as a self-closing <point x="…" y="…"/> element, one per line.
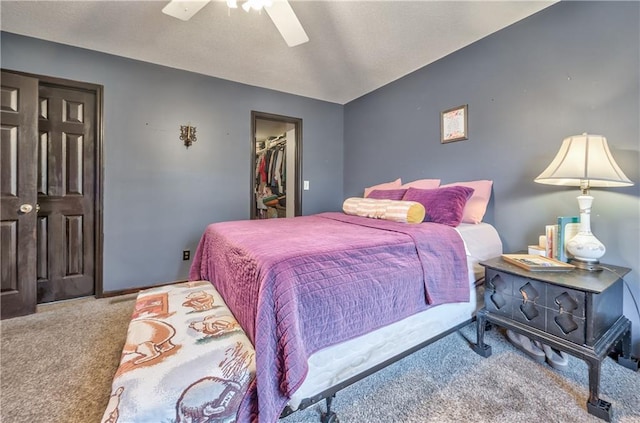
<point x="301" y="284"/>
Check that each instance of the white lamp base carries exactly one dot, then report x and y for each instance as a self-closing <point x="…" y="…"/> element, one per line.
<point x="586" y="265"/>
<point x="585" y="248"/>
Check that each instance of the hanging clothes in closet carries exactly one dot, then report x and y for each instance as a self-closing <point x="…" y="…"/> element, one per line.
<point x="271" y="177"/>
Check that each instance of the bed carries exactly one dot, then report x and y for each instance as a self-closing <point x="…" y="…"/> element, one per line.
<point x="329" y="298"/>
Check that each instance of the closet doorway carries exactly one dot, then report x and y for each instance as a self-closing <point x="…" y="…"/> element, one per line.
<point x="276" y="151"/>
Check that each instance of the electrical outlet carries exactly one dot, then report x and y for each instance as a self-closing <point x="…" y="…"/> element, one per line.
<point x="186" y="255"/>
<point x="306" y="185"/>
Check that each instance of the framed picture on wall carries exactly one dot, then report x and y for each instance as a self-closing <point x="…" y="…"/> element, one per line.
<point x="453" y="124"/>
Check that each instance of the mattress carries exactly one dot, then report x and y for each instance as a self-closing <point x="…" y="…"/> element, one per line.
<point x="299" y="285"/>
<point x="335" y="364"/>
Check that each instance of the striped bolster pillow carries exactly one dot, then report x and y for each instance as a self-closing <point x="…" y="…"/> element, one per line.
<point x="394" y="210"/>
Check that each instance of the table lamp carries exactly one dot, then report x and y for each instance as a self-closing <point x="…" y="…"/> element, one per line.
<point x="584" y="161"/>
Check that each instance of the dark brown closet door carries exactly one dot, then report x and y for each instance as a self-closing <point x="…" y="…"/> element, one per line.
<point x="66" y="193"/>
<point x="18" y="194"/>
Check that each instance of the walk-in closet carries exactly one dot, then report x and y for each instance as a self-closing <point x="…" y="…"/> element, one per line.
<point x="275" y="173"/>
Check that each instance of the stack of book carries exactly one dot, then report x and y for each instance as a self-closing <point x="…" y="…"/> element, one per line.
<point x="552" y="243"/>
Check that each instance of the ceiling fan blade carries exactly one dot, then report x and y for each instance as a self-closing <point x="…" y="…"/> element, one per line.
<point x="184" y="9"/>
<point x="287" y="23"/>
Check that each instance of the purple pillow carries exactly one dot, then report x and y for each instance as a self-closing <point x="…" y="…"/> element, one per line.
<point x="387" y="194"/>
<point x="442" y="205"/>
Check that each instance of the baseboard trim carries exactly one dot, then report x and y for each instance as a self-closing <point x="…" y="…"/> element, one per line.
<point x="107" y="294"/>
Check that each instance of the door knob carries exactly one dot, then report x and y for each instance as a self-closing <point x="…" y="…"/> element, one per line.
<point x="26" y="208"/>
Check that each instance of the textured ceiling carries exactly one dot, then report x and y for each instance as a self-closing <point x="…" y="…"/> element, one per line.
<point x="355" y="47"/>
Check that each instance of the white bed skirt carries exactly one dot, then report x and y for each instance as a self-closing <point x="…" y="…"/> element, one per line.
<point x="335" y="364"/>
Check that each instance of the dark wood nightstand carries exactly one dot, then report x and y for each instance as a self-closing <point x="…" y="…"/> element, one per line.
<point x="577" y="311"/>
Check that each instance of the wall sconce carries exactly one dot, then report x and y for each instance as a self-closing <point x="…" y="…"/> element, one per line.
<point x="188" y="134"/>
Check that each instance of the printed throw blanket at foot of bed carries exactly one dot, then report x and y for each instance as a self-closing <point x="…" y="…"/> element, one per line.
<point x="185" y="359"/>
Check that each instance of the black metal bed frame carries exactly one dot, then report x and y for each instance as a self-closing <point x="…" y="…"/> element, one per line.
<point x="330" y="393"/>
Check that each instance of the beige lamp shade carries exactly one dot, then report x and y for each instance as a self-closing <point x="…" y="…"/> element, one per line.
<point x="585" y="161"/>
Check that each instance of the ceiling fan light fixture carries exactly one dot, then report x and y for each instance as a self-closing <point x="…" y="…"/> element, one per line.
<point x="279" y="11"/>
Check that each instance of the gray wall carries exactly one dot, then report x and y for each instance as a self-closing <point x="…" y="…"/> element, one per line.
<point x="159" y="196"/>
<point x="572" y="68"/>
<point x="569" y="69"/>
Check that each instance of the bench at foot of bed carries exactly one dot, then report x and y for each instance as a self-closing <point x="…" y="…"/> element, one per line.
<point x="185" y="359"/>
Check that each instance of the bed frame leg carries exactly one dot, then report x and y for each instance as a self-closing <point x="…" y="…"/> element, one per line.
<point x="329" y="416"/>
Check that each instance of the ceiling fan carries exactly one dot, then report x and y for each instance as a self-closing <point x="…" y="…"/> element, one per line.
<point x="279" y="11"/>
